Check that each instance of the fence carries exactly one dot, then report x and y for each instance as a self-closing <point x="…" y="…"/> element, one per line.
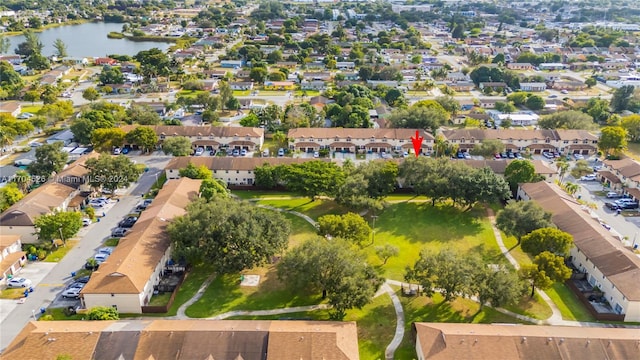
<point x="583" y="299"/>
<point x="161" y="309"/>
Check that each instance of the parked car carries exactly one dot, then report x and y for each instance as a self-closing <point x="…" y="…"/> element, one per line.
<point x="18" y="282"/>
<point x="117" y="151"/>
<point x="92" y="267"/>
<point x="243" y="152"/>
<point x="128" y="222"/>
<point x="578" y="156"/>
<point x="548" y="155"/>
<point x="316" y="154"/>
<point x="119" y="232"/>
<point x="280" y="152"/>
<point x="630" y="205"/>
<point x="497" y="156"/>
<point x="35" y="144"/>
<point x="86" y="222"/>
<point x="212" y="153"/>
<point x="613" y="195"/>
<point x="518" y="156"/>
<point x="76" y="285"/>
<point x="72" y="293"/>
<point x="106" y="250"/>
<point x="612" y="206"/>
<point x="101" y="257"/>
<point x="236" y="152"/>
<point x="590" y="177"/>
<point x="626" y="204"/>
<point x="199" y="151"/>
<point x="143" y="205"/>
<point x="83" y="279"/>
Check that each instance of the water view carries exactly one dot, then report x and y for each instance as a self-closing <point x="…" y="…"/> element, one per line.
<point x="89" y="40"/>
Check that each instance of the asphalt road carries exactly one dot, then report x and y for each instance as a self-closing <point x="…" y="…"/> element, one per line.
<point x="91" y="239"/>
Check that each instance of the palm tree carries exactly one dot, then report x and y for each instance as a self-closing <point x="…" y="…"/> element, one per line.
<point x="571" y="188"/>
<point x="563" y="166"/>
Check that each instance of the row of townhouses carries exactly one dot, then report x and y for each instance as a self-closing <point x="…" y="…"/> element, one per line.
<point x="210" y="137"/>
<point x="621" y="176"/>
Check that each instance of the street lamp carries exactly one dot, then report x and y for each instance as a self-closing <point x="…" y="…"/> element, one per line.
<point x="156" y="175"/>
<point x="33" y="313"/>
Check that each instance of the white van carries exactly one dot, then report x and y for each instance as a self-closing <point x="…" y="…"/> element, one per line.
<point x="265" y="153"/>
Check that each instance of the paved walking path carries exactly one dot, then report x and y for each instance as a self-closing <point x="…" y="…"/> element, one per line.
<point x="269" y="312"/>
<point x="180" y="314"/>
<point x="299" y="214"/>
<point x="399" y="333"/>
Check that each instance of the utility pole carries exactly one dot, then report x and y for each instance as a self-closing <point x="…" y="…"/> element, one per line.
<point x="62" y="237"/>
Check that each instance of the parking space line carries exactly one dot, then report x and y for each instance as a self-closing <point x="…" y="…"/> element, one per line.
<point x="51" y="285"/>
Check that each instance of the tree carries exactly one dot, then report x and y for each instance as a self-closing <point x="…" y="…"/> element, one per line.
<point x="60" y="223"/>
<point x="353" y="194"/>
<point x="142" y="136"/>
<point x="143" y="115"/>
<point x="598" y="109"/>
<point x="631" y="123"/>
<point x="553" y="240"/>
<point x="228" y="234"/>
<point x="177" y="146"/>
<point x="9" y="195"/>
<point x="258" y="74"/>
<point x="553" y="266"/>
<point x="103" y="313"/>
<point x="394" y="97"/>
<point x="37" y="61"/>
<point x="447" y="272"/>
<point x="419" y="117"/>
<point x="522" y="217"/>
<point x="581" y="168"/>
<point x="195" y="172"/>
<point x="520" y="171"/>
<point x="251" y="120"/>
<point x="535" y="277"/>
<point x="590" y="82"/>
<point x="505" y="107"/>
<point x="211" y="187"/>
<point x="498" y="59"/>
<point x="313" y="178"/>
<point x="5" y="44"/>
<point x="112" y="172"/>
<point x="61" y="48"/>
<point x="32" y="95"/>
<point x="50" y="94"/>
<point x="518" y="98"/>
<point x="449" y="104"/>
<point x="568" y="120"/>
<point x="488" y="147"/>
<point x="31" y="45"/>
<point x="613" y="139"/>
<point x="333" y="268"/>
<point x="82" y="130"/>
<point x="535" y="102"/>
<point x="106" y="139"/>
<point x="277" y="76"/>
<point x="498" y="287"/>
<point x="226" y="93"/>
<point x="10" y="80"/>
<point x="350" y="226"/>
<point x="91" y="94"/>
<point x="386" y="252"/>
<point x="111" y="75"/>
<point x="458" y="32"/>
<point x="22" y="179"/>
<point x="621" y="98"/>
<point x="153" y="62"/>
<point x="49" y="158"/>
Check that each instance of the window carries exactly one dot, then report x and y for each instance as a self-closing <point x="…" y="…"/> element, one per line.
<point x="575" y="141"/>
<point x="618" y="309"/>
<point x="547" y="140"/>
<point x="585" y="141"/>
<point x="199" y="138"/>
<point x="348" y="138"/>
<point x="162" y="137"/>
<point x="565" y="142"/>
<point x="462" y="141"/>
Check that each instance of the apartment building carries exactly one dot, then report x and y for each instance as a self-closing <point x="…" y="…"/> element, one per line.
<point x="211" y="137"/>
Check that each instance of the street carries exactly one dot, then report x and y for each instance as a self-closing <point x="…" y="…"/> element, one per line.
<point x="51" y="278"/>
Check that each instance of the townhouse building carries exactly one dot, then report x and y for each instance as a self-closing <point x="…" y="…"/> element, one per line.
<point x="622" y="175"/>
<point x="210" y="137"/>
<point x="534" y="141"/>
<point x="601" y="262"/>
<point x="12" y="258"/>
<point x="357" y="140"/>
<point x="126" y="280"/>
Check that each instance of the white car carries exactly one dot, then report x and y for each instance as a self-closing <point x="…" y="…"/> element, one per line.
<point x="590" y="177"/>
<point x="101" y="257"/>
<point x="613" y="195"/>
<point x="86" y="222"/>
<point x="578" y="156"/>
<point x="19" y="282"/>
<point x="199" y="151"/>
<point x="105" y="250"/>
<point x="117" y="151"/>
<point x="25" y="115"/>
<point x="72" y="293"/>
<point x="316" y="154"/>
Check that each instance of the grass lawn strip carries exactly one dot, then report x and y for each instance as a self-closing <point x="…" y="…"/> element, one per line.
<point x="313" y="209"/>
<point x="60" y="252"/>
<point x="568" y="304"/>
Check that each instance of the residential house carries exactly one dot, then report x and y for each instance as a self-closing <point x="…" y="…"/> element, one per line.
<point x="461" y="85"/>
<point x="487" y="103"/>
<point x="623" y="175"/>
<point x="279" y="85"/>
<point x="230" y="170"/>
<point x="317" y="75"/>
<point x="241" y="85"/>
<point x="440" y="341"/>
<point x="12" y="107"/>
<point x="77" y="61"/>
<point x="119" y="88"/>
<point x="533" y="87"/>
<point x="499" y="166"/>
<point x="313" y="85"/>
<point x="287" y="64"/>
<point x="215" y="74"/>
<point x="522" y="140"/>
<point x="104" y="61"/>
<point x="519" y="66"/>
<point x="186" y="340"/>
<point x="231" y="64"/>
<point x="11" y="59"/>
<point x="345" y="65"/>
<point x="357" y="140"/>
<point x="552" y="66"/>
<point x="158" y="107"/>
<point x="522" y="118"/>
<point x="456" y="76"/>
<point x="126" y="280"/>
<point x="211" y="137"/>
<point x="602" y="264"/>
<point x="12" y="258"/>
<point x="569" y="85"/>
<point x="495" y="86"/>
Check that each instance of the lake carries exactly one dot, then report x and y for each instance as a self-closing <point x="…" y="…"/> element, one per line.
<point x="89" y="40"/>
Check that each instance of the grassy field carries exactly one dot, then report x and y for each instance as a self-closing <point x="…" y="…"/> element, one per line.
<point x="633" y="150"/>
<point x="536" y="308"/>
<point x="570" y="307"/>
<point x="256" y="194"/>
<point x="160" y="299"/>
<point x="415" y="226"/>
<point x="112" y="242"/>
<point x="12" y="293"/>
<point x="314" y="209"/>
<point x="31" y="109"/>
<point x="225" y="294"/>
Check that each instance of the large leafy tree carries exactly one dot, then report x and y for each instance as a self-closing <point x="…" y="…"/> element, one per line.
<point x="230" y="235"/>
<point x="535" y="277"/>
<point x="143" y="115"/>
<point x="498" y="287"/>
<point x="10" y="80"/>
<point x="631" y="123"/>
<point x="613" y="139"/>
<point x="350" y="226"/>
<point x="446" y="272"/>
<point x="313" y="178"/>
<point x="213" y="187"/>
<point x="31" y="45"/>
<point x="111" y="75"/>
<point x="142" y="136"/>
<point x="61" y="48"/>
<point x="419" y="117"/>
<point x="519" y="218"/>
<point x="61" y="223"/>
<point x="107" y="138"/>
<point x="49" y="158"/>
<point x="520" y="171"/>
<point x="333" y="268"/>
<point x="353" y="194"/>
<point x="568" y="120"/>
<point x="488" y="147"/>
<point x="195" y="172"/>
<point x="622" y="98"/>
<point x="177" y="146"/>
<point x="598" y="109"/>
<point x="112" y="172"/>
<point x="553" y="266"/>
<point x="535" y="102"/>
<point x="9" y="195"/>
<point x="82" y="130"/>
<point x="154" y="62"/>
<point x="552" y="240"/>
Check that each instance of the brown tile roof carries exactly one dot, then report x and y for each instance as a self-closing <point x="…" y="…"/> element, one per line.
<point x="483" y="341"/>
<point x="131" y="264"/>
<point x="610" y="176"/>
<point x="186" y="340"/>
<point x="232" y="163"/>
<point x="9" y="260"/>
<point x="627" y="167"/>
<point x="570" y="134"/>
<point x="217" y="131"/>
<point x="500" y="134"/>
<point x="38" y="202"/>
<point x="328" y="133"/>
<point x="8" y="240"/>
<point x="608" y="254"/>
<point x="498" y="166"/>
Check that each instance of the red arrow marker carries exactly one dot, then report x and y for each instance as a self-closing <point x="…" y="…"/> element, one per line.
<point x="417" y="143"/>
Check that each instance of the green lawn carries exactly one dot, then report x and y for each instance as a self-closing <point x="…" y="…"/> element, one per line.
<point x="514" y="249"/>
<point x="241" y="92"/>
<point x="58" y="314"/>
<point x="190" y="93"/>
<point x="256" y="194"/>
<point x="225" y="294"/>
<point x="570" y="307"/>
<point x="160" y="299"/>
<point x="415" y="226"/>
<point x="60" y="252"/>
<point x="309" y="93"/>
<point x="12" y="293"/>
<point x="376" y="327"/>
<point x="314" y="209"/>
<point x="536" y="308"/>
<point x="633" y="149"/>
<point x="301" y="230"/>
<point x="112" y="242"/>
<point x="31" y="109"/>
<point x="305" y="315"/>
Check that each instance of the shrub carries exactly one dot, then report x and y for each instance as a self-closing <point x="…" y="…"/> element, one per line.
<point x="103" y="313"/>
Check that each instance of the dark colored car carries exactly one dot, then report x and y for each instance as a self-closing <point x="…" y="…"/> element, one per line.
<point x="119" y="232"/>
<point x="128" y="222"/>
<point x="92" y="267"/>
<point x="83" y="279"/>
<point x="630" y="205"/>
<point x="612" y="206"/>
